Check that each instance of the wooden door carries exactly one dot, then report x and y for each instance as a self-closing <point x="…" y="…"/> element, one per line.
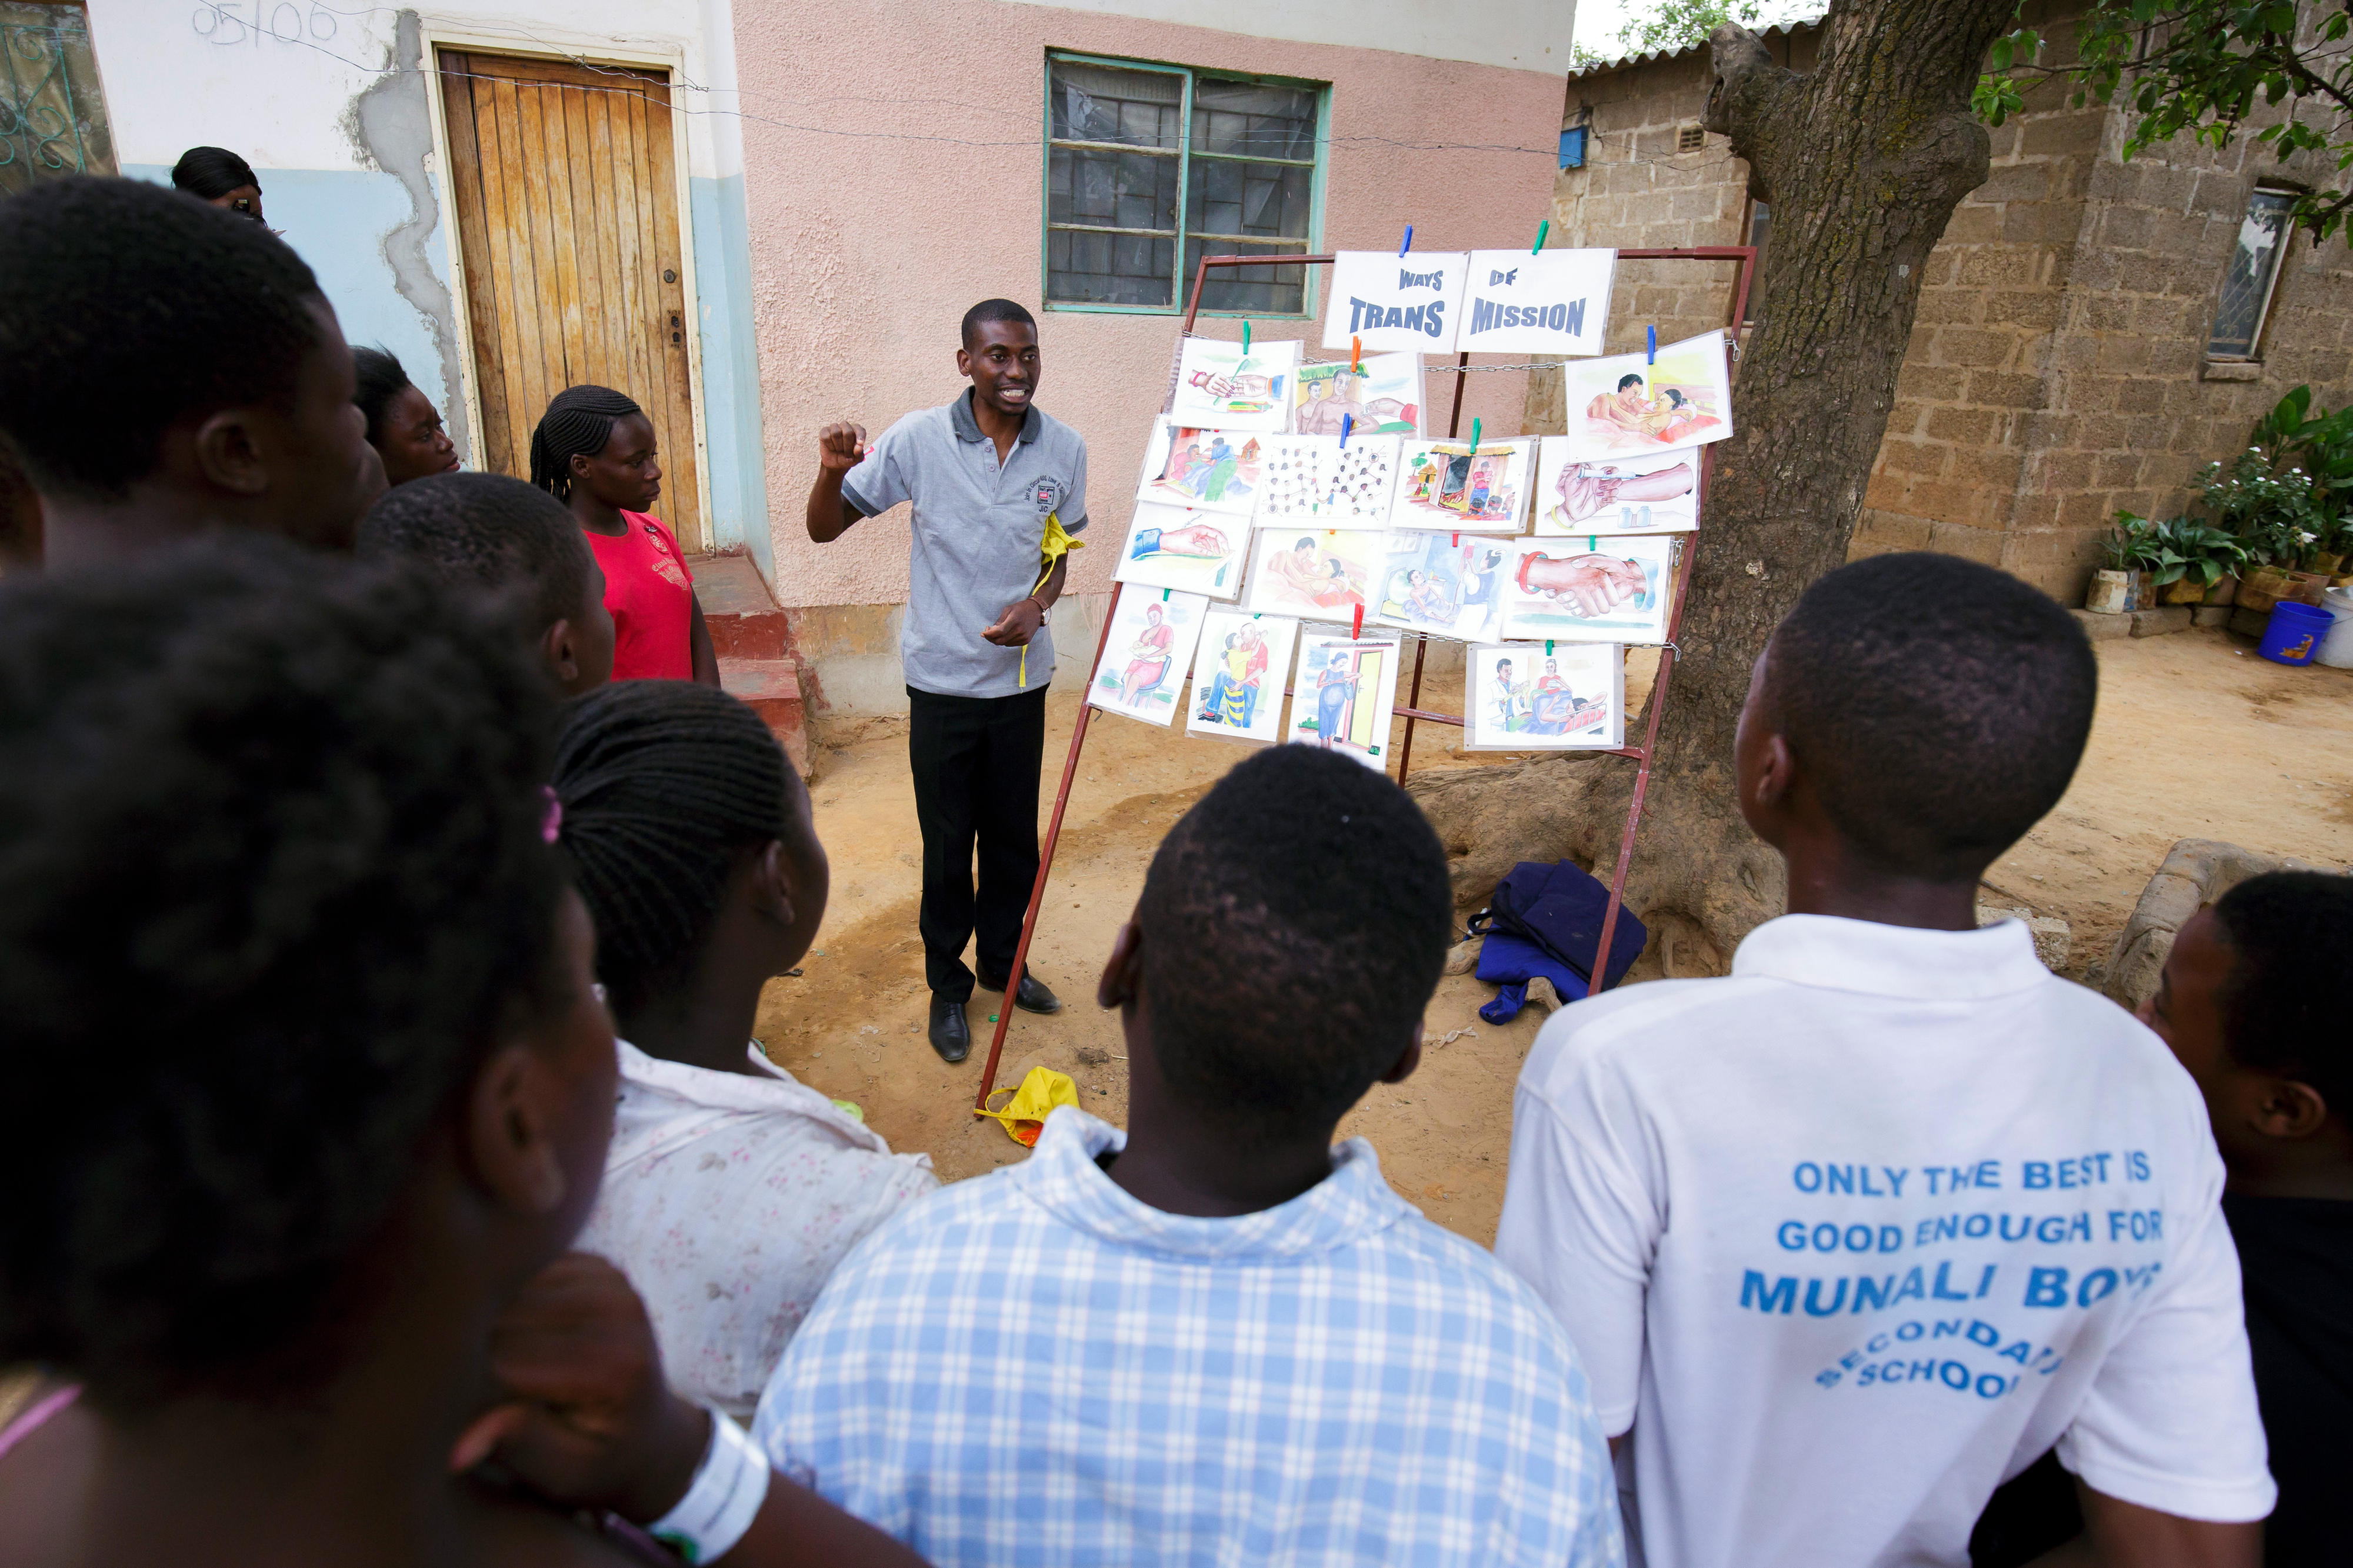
<point x="567" y="217"/>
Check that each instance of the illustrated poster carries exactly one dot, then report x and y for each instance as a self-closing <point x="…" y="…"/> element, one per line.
<point x="1220" y="387"/>
<point x="1446" y="584"/>
<point x="1345" y="693"/>
<point x="1446" y="484"/>
<point x="1544" y="303"/>
<point x="1191" y="552"/>
<point x="1314" y="572"/>
<point x="1626" y="404"/>
<point x="1614" y="591"/>
<point x="1382" y="396"/>
<point x="1238" y="677"/>
<point x="1146" y="656"/>
<point x="1385" y="302"/>
<point x="1653" y="493"/>
<point x="1525" y="696"/>
<point x="1210" y="470"/>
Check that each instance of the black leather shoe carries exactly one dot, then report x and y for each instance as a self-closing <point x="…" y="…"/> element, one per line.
<point x="951" y="1035"/>
<point x="1030" y="995"/>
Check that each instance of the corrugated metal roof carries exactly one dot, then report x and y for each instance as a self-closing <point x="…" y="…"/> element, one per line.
<point x="1792" y="25"/>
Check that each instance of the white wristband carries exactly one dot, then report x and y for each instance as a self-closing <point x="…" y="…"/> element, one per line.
<point x="728" y="1488"/>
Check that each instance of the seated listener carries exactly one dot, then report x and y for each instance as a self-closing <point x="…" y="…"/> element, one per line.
<point x="169" y="368"/>
<point x="287" y="815"/>
<point x="403" y="426"/>
<point x="2255" y="1002"/>
<point x="489" y="532"/>
<point x="1214" y="1338"/>
<point x="1855" y="1233"/>
<point x="730" y="1190"/>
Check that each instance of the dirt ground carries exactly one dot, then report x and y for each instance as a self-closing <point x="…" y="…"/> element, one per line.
<point x="2195" y="737"/>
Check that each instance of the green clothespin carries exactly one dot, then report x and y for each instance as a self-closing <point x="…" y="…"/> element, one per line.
<point x="1542" y="230"/>
<point x="1163" y="596"/>
<point x="1475" y="437"/>
<point x="1245" y="337"/>
<point x="1547" y="648"/>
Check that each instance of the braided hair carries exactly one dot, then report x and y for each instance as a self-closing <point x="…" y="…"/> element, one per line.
<point x="272" y="881"/>
<point x="579" y="422"/>
<point x="666" y="787"/>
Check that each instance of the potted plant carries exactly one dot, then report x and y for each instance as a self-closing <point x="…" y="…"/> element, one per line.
<point x="2113" y="586"/>
<point x="2275" y="515"/>
<point x="2194" y="559"/>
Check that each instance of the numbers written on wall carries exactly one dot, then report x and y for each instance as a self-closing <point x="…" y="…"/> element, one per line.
<point x="229" y="24"/>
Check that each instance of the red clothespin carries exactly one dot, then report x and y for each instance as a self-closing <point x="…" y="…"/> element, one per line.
<point x="1357" y="629"/>
<point x="1457" y="542"/>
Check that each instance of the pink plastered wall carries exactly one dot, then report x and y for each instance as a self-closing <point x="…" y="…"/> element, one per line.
<point x="867" y="249"/>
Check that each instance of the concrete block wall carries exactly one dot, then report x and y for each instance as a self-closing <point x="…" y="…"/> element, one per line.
<point x="2057" y="371"/>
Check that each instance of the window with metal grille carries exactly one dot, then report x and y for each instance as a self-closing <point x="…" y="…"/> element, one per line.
<point x="2251" y="274"/>
<point x="1149" y="168"/>
<point x="52" y="116"/>
<point x="1690" y="138"/>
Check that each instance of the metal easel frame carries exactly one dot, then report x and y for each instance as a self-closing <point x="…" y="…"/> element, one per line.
<point x="1412" y="712"/>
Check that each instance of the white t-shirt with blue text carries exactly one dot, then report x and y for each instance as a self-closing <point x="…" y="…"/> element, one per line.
<point x="1855" y="1233"/>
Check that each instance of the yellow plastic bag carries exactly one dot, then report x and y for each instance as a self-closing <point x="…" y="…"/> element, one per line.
<point x="1057" y="543"/>
<point x="1025" y="1114"/>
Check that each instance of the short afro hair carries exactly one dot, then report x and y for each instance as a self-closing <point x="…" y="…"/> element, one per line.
<point x="1939" y="707"/>
<point x="129" y="307"/>
<point x="666" y="787"/>
<point x="989" y="311"/>
<point x="489" y="532"/>
<point x="272" y="880"/>
<point x="1294" y="922"/>
<point x="377" y="379"/>
<point x="2291" y="989"/>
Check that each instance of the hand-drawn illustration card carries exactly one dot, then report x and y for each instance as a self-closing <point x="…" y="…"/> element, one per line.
<point x="1407" y="302"/>
<point x="1363" y="481"/>
<point x="1146" y="656"/>
<point x="1345" y="693"/>
<point x="1296" y="477"/>
<point x="1220" y="386"/>
<point x="1547" y="302"/>
<point x="1647" y="492"/>
<point x="1313" y="571"/>
<point x="1525" y="696"/>
<point x="1626" y="404"/>
<point x="1613" y="591"/>
<point x="1445" y="484"/>
<point x="1238" y="677"/>
<point x="1191" y="552"/>
<point x="1446" y="584"/>
<point x="1382" y="396"/>
<point x="1212" y="470"/>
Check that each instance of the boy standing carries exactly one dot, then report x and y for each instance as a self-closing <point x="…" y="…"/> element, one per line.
<point x="1215" y="1338"/>
<point x="985" y="472"/>
<point x="2254" y="1002"/>
<point x="1854" y="1233"/>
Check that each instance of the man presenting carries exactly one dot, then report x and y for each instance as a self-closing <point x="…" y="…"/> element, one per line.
<point x="985" y="472"/>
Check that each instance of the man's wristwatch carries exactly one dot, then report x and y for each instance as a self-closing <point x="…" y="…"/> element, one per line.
<point x="1044" y="617"/>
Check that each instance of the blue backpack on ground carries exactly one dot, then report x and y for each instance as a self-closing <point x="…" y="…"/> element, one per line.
<point x="1545" y="919"/>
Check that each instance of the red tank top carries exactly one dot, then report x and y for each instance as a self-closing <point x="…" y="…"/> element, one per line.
<point x="651" y="597"/>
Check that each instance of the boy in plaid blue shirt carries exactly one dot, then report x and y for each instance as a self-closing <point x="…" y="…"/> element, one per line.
<point x="1215" y="1337"/>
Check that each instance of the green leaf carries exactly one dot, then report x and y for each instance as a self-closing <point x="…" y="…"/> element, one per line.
<point x="1999" y="57"/>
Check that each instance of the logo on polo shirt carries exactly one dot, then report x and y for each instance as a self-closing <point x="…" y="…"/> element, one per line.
<point x="1046" y="494"/>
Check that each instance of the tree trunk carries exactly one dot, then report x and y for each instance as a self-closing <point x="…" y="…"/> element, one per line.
<point x="1863" y="161"/>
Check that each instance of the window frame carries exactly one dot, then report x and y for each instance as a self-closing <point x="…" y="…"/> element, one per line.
<point x="2254" y="354"/>
<point x="1311" y="244"/>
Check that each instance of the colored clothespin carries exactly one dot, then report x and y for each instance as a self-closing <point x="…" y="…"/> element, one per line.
<point x="1547" y="648"/>
<point x="1357" y="630"/>
<point x="1475" y="437"/>
<point x="1355" y="354"/>
<point x="1457" y="542"/>
<point x="1245" y="337"/>
<point x="1347" y="423"/>
<point x="1409" y="240"/>
<point x="1163" y="596"/>
<point x="1542" y="230"/>
<point x="1653" y="335"/>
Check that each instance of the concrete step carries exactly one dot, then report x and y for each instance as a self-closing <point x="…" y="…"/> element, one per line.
<point x="745" y="622"/>
<point x="771" y="689"/>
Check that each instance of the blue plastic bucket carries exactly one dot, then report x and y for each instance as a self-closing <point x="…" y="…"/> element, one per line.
<point x="2293" y="633"/>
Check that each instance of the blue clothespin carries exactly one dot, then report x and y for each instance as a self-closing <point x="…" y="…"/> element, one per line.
<point x="1653" y="335"/>
<point x="1409" y="240"/>
<point x="1347" y="423"/>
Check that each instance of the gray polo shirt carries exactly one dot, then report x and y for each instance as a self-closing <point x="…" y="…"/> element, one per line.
<point x="978" y="526"/>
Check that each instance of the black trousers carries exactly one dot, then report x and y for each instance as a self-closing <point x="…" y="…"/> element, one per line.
<point x="975" y="760"/>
